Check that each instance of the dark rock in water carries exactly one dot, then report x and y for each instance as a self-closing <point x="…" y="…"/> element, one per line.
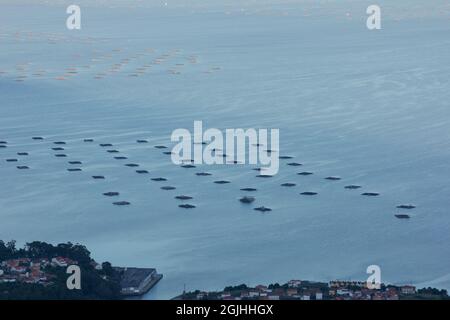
<point x="142" y="171"/>
<point x="308" y="193"/>
<point x="112" y="151"/>
<point x="74" y="169"/>
<point x="285" y="157"/>
<point x="132" y="165"/>
<point x="249" y="189"/>
<point x="183" y="197"/>
<point x="121" y="203"/>
<point x="160" y="147"/>
<point x="288" y="184"/>
<point x="75" y="162"/>
<point x="98" y="177"/>
<point x="187" y="166"/>
<point x="352" y="187"/>
<point x="370" y="194"/>
<point x="142" y="141"/>
<point x="294" y="164"/>
<point x="262" y="209"/>
<point x="203" y="174"/>
<point x="88" y="140"/>
<point x="406" y="206"/>
<point x="59" y="142"/>
<point x="120" y="158"/>
<point x="221" y="182"/>
<point x="264" y="176"/>
<point x="22" y="153"/>
<point x="168" y="188"/>
<point x="305" y="173"/>
<point x="402" y="216"/>
<point x="168" y="152"/>
<point x="247" y="199"/>
<point x="37" y="138"/>
<point x="11" y="160"/>
<point x="333" y="178"/>
<point x="58" y="149"/>
<point x="159" y="179"/>
<point x="22" y="167"/>
<point x="187" y="206"/>
<point x="111" y="194"/>
<point x="60" y="155"/>
<point x="105" y="145"/>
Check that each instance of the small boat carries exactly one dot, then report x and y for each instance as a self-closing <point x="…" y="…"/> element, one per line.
<point x="247" y="199"/>
<point x="112" y="151"/>
<point x="37" y="138"/>
<point x="121" y="203"/>
<point x="98" y="177"/>
<point x="3" y="142"/>
<point x="159" y="179"/>
<point x="221" y="181"/>
<point x="402" y="216"/>
<point x="249" y="189"/>
<point x="262" y="209"/>
<point x="285" y="157"/>
<point x="168" y="188"/>
<point x="160" y="147"/>
<point x="58" y="149"/>
<point x="120" y="158"/>
<point x="23" y="167"/>
<point x="305" y="173"/>
<point x="75" y="162"/>
<point x="203" y="174"/>
<point x="22" y="153"/>
<point x="74" y="169"/>
<point x="88" y="140"/>
<point x="11" y="160"/>
<point x="294" y="164"/>
<point x="333" y="178"/>
<point x="406" y="206"/>
<point x="370" y="194"/>
<point x="105" y="145"/>
<point x="168" y="152"/>
<point x="264" y="176"/>
<point x="111" y="194"/>
<point x="182" y="197"/>
<point x="3" y="146"/>
<point x="60" y="155"/>
<point x="187" y="206"/>
<point x="142" y="141"/>
<point x="352" y="187"/>
<point x="59" y="142"/>
<point x="309" y="193"/>
<point x="132" y="165"/>
<point x="142" y="171"/>
<point x="288" y="184"/>
<point x="187" y="166"/>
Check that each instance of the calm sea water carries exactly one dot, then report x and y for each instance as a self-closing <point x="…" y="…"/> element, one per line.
<point x="370" y="107"/>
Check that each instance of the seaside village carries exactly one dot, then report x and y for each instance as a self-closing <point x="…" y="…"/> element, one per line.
<point x="31" y="270"/>
<point x="306" y="290"/>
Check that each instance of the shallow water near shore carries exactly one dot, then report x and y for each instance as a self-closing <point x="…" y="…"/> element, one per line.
<point x="369" y="107"/>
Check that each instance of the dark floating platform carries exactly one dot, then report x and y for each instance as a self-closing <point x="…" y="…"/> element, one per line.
<point x="285" y="157"/>
<point x="221" y="182"/>
<point x="288" y="184"/>
<point x="264" y="176"/>
<point x="75" y="162"/>
<point x="23" y="167"/>
<point x="262" y="209"/>
<point x="112" y="151"/>
<point x="183" y="197"/>
<point x="160" y="147"/>
<point x="58" y="149"/>
<point x="402" y="216"/>
<point x="60" y="155"/>
<point x="105" y="145"/>
<point x="22" y="153"/>
<point x="74" y="169"/>
<point x="59" y="142"/>
<point x="187" y="166"/>
<point x="352" y="187"/>
<point x="121" y="203"/>
<point x="168" y="188"/>
<point x="309" y="193"/>
<point x="370" y="194"/>
<point x="203" y="174"/>
<point x="406" y="206"/>
<point x="132" y="165"/>
<point x="142" y="171"/>
<point x="111" y="194"/>
<point x="187" y="206"/>
<point x="249" y="189"/>
<point x="141" y="141"/>
<point x="294" y="164"/>
<point x="98" y="177"/>
<point x="333" y="178"/>
<point x="37" y="138"/>
<point x="120" y="158"/>
<point x="11" y="160"/>
<point x="305" y="173"/>
<point x="88" y="140"/>
<point x="159" y="179"/>
<point x="247" y="199"/>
